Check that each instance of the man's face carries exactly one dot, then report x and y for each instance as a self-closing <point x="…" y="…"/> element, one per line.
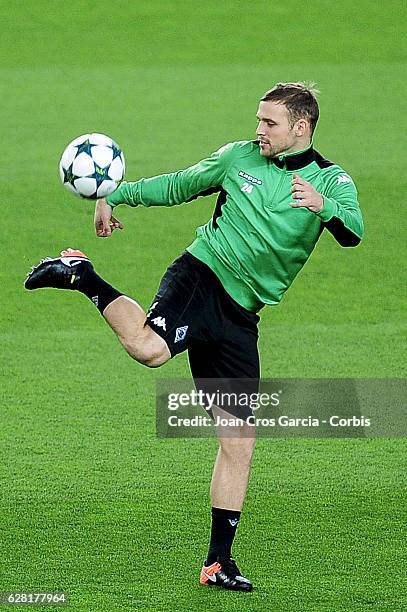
<point x="274" y="132"/>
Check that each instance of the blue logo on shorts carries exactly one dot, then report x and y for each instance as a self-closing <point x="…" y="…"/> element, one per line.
<point x="180" y="333"/>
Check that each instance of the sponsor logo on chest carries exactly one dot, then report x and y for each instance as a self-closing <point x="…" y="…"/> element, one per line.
<point x="250" y="178"/>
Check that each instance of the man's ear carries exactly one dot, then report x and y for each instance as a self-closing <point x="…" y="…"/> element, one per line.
<point x="300" y="127"/>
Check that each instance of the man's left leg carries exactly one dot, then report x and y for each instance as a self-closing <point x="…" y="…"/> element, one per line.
<point x="233" y="462"/>
<point x="228" y="489"/>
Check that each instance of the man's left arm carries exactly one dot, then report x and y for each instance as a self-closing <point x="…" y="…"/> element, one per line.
<point x="337" y="207"/>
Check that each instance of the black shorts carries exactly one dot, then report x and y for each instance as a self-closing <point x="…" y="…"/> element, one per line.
<point x="192" y="311"/>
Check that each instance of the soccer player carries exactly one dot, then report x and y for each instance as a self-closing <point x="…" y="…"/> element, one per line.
<point x="277" y="194"/>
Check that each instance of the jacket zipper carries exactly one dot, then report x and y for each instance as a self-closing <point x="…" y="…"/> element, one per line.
<point x="279" y="184"/>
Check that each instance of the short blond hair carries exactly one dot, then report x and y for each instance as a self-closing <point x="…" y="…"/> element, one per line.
<point x="300" y="99"/>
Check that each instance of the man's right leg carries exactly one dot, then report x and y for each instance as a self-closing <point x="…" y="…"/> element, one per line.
<point x="128" y="321"/>
<point x="73" y="270"/>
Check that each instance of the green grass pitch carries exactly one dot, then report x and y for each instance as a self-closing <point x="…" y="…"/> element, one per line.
<point x="91" y="502"/>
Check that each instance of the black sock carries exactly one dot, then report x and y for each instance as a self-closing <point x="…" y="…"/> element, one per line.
<point x="224" y="525"/>
<point x="97" y="290"/>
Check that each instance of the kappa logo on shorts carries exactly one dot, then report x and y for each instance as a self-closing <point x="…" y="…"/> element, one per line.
<point x="160" y="322"/>
<point x="180" y="333"/>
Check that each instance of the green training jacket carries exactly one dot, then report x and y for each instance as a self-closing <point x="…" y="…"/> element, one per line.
<point x="256" y="243"/>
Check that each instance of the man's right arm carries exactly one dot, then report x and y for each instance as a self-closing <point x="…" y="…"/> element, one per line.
<point x="177" y="187"/>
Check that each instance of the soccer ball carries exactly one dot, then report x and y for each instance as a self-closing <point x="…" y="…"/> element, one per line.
<point x="92" y="166"/>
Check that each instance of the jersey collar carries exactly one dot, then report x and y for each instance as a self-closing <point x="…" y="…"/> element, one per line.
<point x="295" y="161"/>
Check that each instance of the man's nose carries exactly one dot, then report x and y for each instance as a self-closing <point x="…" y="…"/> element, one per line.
<point x="260" y="129"/>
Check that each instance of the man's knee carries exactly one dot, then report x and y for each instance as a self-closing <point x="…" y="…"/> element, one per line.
<point x="148" y="348"/>
<point x="155" y="359"/>
<point x="239" y="448"/>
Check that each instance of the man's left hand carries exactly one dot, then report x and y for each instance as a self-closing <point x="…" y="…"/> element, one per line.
<point x="305" y="195"/>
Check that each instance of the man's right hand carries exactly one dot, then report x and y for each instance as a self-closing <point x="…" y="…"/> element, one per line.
<point x="105" y="223"/>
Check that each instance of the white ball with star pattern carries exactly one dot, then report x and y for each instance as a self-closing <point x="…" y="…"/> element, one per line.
<point x="92" y="166"/>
